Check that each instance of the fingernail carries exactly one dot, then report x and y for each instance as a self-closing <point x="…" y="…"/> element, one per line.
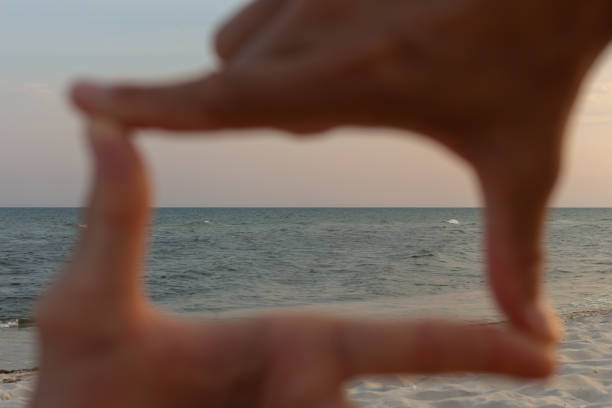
<point x="90" y="95"/>
<point x="544" y="322"/>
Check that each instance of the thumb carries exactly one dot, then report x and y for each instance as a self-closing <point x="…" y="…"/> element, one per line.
<point x="112" y="246"/>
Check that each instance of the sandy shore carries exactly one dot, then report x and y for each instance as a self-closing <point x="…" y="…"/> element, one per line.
<point x="16" y="387"/>
<point x="584" y="380"/>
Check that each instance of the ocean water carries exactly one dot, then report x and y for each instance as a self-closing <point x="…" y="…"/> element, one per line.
<point x="379" y="262"/>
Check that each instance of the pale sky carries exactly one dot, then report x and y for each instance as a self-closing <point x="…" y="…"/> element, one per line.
<point x="44" y="44"/>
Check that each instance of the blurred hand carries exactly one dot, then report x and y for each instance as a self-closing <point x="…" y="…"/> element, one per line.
<point x="104" y="345"/>
<point x="493" y="81"/>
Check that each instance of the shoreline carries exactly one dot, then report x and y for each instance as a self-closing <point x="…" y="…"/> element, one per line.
<point x="13" y="376"/>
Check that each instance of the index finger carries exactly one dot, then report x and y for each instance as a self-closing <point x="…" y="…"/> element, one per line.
<point x="111" y="248"/>
<point x="276" y="94"/>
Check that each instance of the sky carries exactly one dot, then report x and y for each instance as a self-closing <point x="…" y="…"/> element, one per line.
<point x="45" y="44"/>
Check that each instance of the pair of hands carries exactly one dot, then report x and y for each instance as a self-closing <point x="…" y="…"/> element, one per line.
<point x="105" y="345"/>
<point x="491" y="81"/>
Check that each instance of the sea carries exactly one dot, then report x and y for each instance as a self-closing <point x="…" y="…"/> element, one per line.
<point x="376" y="262"/>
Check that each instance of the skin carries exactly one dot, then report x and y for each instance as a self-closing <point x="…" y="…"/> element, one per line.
<point x="494" y="82"/>
<point x="103" y="344"/>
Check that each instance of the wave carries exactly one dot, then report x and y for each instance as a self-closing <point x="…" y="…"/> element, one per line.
<point x="453" y="221"/>
<point x="16" y="323"/>
<point x="570" y="315"/>
<point x="10" y="324"/>
<point x="196" y="223"/>
<point x="22" y="371"/>
<point x="586" y="313"/>
<point x="72" y="225"/>
<point x="423" y="255"/>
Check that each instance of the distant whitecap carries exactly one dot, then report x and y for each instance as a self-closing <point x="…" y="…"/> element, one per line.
<point x="454" y="222"/>
<point x="9" y="324"/>
<point x="196" y="224"/>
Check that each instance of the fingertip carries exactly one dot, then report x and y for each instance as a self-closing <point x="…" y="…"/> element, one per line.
<point x="515" y="353"/>
<point x="120" y="175"/>
<point x="543" y="323"/>
<point x="546" y="364"/>
<point x="89" y="95"/>
<point x="551" y="362"/>
<point x="518" y="354"/>
<point x="121" y="189"/>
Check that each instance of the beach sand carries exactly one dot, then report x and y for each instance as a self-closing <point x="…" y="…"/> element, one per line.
<point x="584" y="380"/>
<point x="16" y="388"/>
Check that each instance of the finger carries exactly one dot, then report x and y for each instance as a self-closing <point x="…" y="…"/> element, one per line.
<point x="266" y="95"/>
<point x="233" y="36"/>
<point x="112" y="246"/>
<point x="515" y="218"/>
<point x="438" y="347"/>
<point x="180" y="106"/>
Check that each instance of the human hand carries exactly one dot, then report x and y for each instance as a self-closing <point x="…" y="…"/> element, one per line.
<point x="104" y="345"/>
<point x="492" y="81"/>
